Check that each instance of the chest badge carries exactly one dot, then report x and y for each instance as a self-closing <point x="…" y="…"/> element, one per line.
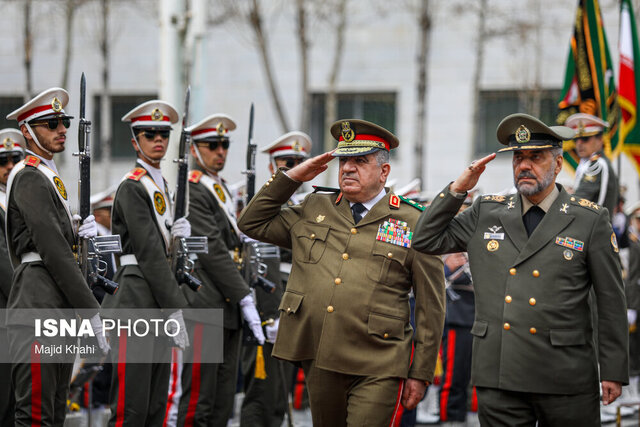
<point x="159" y="203"/>
<point x="493" y="245"/>
<point x="494" y="235"/>
<point x="60" y="187"/>
<point x="220" y="192"/>
<point x="395" y="232"/>
<point x="568" y="242"/>
<point x="319" y="218"/>
<point x="567" y="254"/>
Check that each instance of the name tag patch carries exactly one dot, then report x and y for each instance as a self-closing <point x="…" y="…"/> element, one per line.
<point x="395" y="232"/>
<point x="493" y="236"/>
<point x="568" y="242"/>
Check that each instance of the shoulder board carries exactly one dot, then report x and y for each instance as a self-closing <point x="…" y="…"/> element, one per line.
<point x="409" y="202"/>
<point x="194" y="176"/>
<point x="339" y="198"/>
<point x="32" y="161"/>
<point x="318" y="188"/>
<point x="586" y="204"/>
<point x="136" y="174"/>
<point x="498" y="198"/>
<point x="594" y="157"/>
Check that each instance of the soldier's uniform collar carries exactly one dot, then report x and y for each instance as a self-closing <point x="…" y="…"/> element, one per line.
<point x="545" y="205"/>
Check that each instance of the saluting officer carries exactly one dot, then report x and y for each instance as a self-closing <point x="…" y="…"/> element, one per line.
<point x="208" y="389"/>
<point x="11" y="152"/>
<point x="40" y="239"/>
<point x="595" y="178"/>
<point x="141" y="214"/>
<point x="534" y="256"/>
<point x="345" y="312"/>
<point x="266" y="399"/>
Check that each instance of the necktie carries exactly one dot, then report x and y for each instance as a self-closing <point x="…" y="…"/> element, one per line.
<point x="357" y="210"/>
<point x="532" y="218"/>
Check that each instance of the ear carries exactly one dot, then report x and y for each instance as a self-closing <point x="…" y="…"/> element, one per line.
<point x="25" y="133"/>
<point x="386" y="168"/>
<point x="192" y="150"/>
<point x="270" y="167"/>
<point x="135" y="146"/>
<point x="559" y="161"/>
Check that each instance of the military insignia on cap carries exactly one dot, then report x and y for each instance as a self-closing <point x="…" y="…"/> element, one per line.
<point x="523" y="134"/>
<point x="156" y="114"/>
<point x="493" y="245"/>
<point x="348" y="134"/>
<point x="220" y="129"/>
<point x="320" y="218"/>
<point x="220" y="193"/>
<point x="56" y="105"/>
<point x="159" y="203"/>
<point x="295" y="146"/>
<point x="614" y="242"/>
<point x="7" y="143"/>
<point x="580" y="127"/>
<point x="60" y="187"/>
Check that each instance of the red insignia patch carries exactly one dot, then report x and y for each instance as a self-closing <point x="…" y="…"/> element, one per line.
<point x="394" y="201"/>
<point x="32" y="161"/>
<point x="195" y="176"/>
<point x="339" y="198"/>
<point x="136" y="174"/>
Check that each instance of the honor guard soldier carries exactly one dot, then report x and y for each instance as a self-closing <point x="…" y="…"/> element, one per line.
<point x="141" y="215"/>
<point x="266" y="396"/>
<point x="534" y="256"/>
<point x="595" y="179"/>
<point x="11" y="152"/>
<point x="208" y="390"/>
<point x="40" y="238"/>
<point x="345" y="313"/>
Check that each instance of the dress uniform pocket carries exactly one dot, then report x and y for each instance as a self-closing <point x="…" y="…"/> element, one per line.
<point x="385" y="326"/>
<point x="479" y="328"/>
<point x="562" y="337"/>
<point x="386" y="258"/>
<point x="311" y="240"/>
<point x="290" y="303"/>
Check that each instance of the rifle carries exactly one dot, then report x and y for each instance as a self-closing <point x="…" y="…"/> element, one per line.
<point x="182" y="247"/>
<point x="89" y="250"/>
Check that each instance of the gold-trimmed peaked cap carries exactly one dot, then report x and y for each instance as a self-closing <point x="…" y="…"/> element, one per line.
<point x="46" y="105"/>
<point x="154" y="114"/>
<point x="360" y="137"/>
<point x="524" y="132"/>
<point x="586" y="125"/>
<point x="11" y="140"/>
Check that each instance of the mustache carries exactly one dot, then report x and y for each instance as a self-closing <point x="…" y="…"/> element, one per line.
<point x="350" y="176"/>
<point x="526" y="175"/>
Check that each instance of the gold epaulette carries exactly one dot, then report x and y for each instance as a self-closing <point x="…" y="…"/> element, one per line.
<point x="194" y="176"/>
<point x="32" y="161"/>
<point x="498" y="198"/>
<point x="586" y="204"/>
<point x="136" y="174"/>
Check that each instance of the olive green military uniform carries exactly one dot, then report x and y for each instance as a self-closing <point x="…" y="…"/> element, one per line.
<point x="533" y="328"/>
<point x="139" y="391"/>
<point x="632" y="291"/>
<point x="208" y="389"/>
<point x="6" y="272"/>
<point x="345" y="311"/>
<point x="37" y="222"/>
<point x="598" y="182"/>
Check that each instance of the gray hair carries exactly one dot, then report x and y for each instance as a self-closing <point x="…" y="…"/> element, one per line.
<point x="382" y="157"/>
<point x="556" y="151"/>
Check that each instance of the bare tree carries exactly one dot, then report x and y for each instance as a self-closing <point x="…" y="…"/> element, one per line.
<point x="479" y="64"/>
<point x="424" y="40"/>
<point x="28" y="50"/>
<point x="303" y="43"/>
<point x="105" y="98"/>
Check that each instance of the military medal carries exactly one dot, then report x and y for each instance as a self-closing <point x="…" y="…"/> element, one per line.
<point x="568" y="242"/>
<point x="493" y="245"/>
<point x="395" y="232"/>
<point x="568" y="255"/>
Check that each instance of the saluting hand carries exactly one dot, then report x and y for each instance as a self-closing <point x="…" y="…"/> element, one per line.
<point x="471" y="175"/>
<point x="310" y="168"/>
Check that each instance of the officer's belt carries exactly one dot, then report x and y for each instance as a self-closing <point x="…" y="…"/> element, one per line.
<point x="30" y="257"/>
<point x="128" y="260"/>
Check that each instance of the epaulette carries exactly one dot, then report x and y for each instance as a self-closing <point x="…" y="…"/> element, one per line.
<point x="410" y="202"/>
<point x="633" y="237"/>
<point x="136" y="174"/>
<point x="586" y="204"/>
<point x="194" y="176"/>
<point x="498" y="198"/>
<point x="317" y="188"/>
<point x="32" y="161"/>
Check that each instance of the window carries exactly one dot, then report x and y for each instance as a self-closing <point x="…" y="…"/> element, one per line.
<point x="7" y="105"/>
<point x="496" y="105"/>
<point x="120" y="132"/>
<point x="379" y="108"/>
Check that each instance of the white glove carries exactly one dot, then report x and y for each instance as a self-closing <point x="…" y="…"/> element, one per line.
<point x="632" y="316"/>
<point x="88" y="229"/>
<point x="181" y="338"/>
<point x="96" y="325"/>
<point x="181" y="228"/>
<point x="252" y="318"/>
<point x="271" y="331"/>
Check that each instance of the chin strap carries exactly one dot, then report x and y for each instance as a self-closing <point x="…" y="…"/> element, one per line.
<point x="35" y="139"/>
<point x="199" y="156"/>
<point x="150" y="161"/>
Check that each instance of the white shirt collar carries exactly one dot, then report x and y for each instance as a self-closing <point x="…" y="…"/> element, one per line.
<point x="156" y="174"/>
<point x="369" y="204"/>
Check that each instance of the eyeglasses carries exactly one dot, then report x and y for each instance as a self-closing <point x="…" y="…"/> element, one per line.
<point x="215" y="143"/>
<point x="54" y="123"/>
<point x="15" y="158"/>
<point x="290" y="162"/>
<point x="151" y="134"/>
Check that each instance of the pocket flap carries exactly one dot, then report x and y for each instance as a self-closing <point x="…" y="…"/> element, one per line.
<point x="313" y="232"/>
<point x="290" y="302"/>
<point x="388" y="250"/>
<point x="561" y="337"/>
<point x="386" y="327"/>
<point x="479" y="328"/>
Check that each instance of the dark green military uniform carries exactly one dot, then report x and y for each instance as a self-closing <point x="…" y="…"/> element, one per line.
<point x="533" y="329"/>
<point x="345" y="311"/>
<point x="632" y="291"/>
<point x="139" y="391"/>
<point x="211" y="402"/>
<point x="598" y="182"/>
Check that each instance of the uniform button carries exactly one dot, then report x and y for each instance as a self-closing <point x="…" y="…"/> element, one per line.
<point x="330" y="309"/>
<point x="288" y="309"/>
<point x="507" y="298"/>
<point x="441" y="195"/>
<point x="345" y="256"/>
<point x="536" y="273"/>
<point x="533" y="331"/>
<point x="390" y="255"/>
<point x="386" y="335"/>
<point x="337" y="281"/>
<point x="313" y="235"/>
<point x="354" y="231"/>
<point x="506" y="326"/>
<point x="512" y="271"/>
<point x="532" y="301"/>
<point x="227" y="299"/>
<point x="573" y="199"/>
<point x="270" y="179"/>
<point x="267" y="184"/>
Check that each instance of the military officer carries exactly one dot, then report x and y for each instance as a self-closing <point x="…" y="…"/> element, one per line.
<point x="534" y="255"/>
<point x="266" y="399"/>
<point x="208" y="389"/>
<point x="595" y="178"/>
<point x="141" y="214"/>
<point x="345" y="312"/>
<point x="41" y="236"/>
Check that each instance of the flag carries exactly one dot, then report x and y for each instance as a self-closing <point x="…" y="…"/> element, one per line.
<point x="628" y="84"/>
<point x="589" y="85"/>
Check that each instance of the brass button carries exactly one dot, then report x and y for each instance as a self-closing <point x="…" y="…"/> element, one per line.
<point x="313" y="235"/>
<point x="270" y="180"/>
<point x="337" y="281"/>
<point x="573" y="199"/>
<point x="441" y="195"/>
<point x="390" y="255"/>
<point x="330" y="309"/>
<point x="507" y="299"/>
<point x="227" y="299"/>
<point x="506" y="326"/>
<point x="536" y="273"/>
<point x="288" y="309"/>
<point x="512" y="271"/>
<point x="267" y="184"/>
<point x="532" y="301"/>
<point x="345" y="256"/>
<point x="273" y="176"/>
<point x="354" y="231"/>
<point x="386" y="335"/>
<point x="533" y="331"/>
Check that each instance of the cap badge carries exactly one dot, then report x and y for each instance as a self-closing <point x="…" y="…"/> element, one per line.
<point x="220" y="129"/>
<point x="347" y="133"/>
<point x="156" y="114"/>
<point x="523" y="134"/>
<point x="56" y="105"/>
<point x="295" y="146"/>
<point x="7" y="143"/>
<point x="580" y="128"/>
